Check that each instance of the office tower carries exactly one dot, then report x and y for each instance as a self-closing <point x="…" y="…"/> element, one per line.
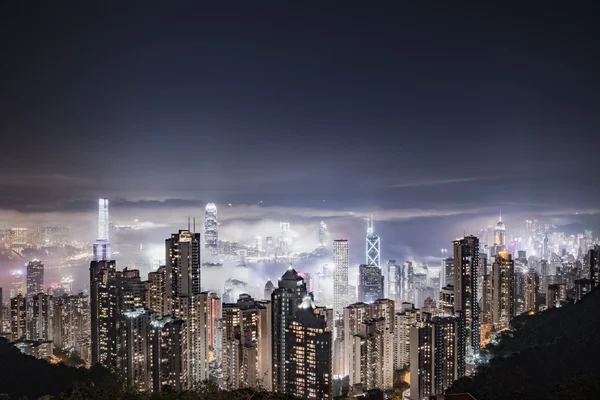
<point x="500" y="234"/>
<point x="370" y="283"/>
<point x="531" y="290"/>
<point x="284" y="238"/>
<point x="384" y="308"/>
<point x="448" y="271"/>
<point x="503" y="290"/>
<point x="17" y="283"/>
<point x="373" y="246"/>
<point x="404" y="320"/>
<point x="211" y="228"/>
<point x="340" y="275"/>
<point x="18" y="317"/>
<point x="396" y="281"/>
<point x="353" y="317"/>
<point x="308" y="355"/>
<point x="134" y="354"/>
<point x="557" y="293"/>
<point x="156" y="292"/>
<point x="269" y="287"/>
<point x="323" y="234"/>
<point x="372" y="358"/>
<point x="168" y="344"/>
<point x="466" y="293"/>
<point x="545" y="249"/>
<point x="101" y="248"/>
<point x="183" y="264"/>
<point x="410" y="282"/>
<point x="436" y="356"/>
<point x="214" y="314"/>
<point x="285" y="302"/>
<point x="35" y="277"/>
<point x="246" y="358"/>
<point x="40" y="317"/>
<point x="593" y="263"/>
<point x="103" y="313"/>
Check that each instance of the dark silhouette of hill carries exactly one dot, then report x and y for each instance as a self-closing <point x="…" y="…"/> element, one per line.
<point x="548" y="355"/>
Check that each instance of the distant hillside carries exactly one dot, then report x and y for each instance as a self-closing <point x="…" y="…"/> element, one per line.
<point x="550" y="355"/>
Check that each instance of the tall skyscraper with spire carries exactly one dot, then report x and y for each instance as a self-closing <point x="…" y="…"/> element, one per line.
<point x="102" y="245"/>
<point x="373" y="246"/>
<point x="500" y="234"/>
<point x="211" y="228"/>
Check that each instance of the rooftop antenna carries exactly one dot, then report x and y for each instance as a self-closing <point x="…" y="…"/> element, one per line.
<point x="500" y="216"/>
<point x="194" y="224"/>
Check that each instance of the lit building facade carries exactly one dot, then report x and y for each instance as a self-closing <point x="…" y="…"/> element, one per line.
<point x="340" y="275"/>
<point x="211" y="228"/>
<point x="503" y="290"/>
<point x="373" y="246"/>
<point x="35" y="277"/>
<point x="370" y="283"/>
<point x="466" y="289"/>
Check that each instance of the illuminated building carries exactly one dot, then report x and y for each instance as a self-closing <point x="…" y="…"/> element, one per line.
<point x="447" y="300"/>
<point x="246" y="360"/>
<point x="323" y="234"/>
<point x="396" y="281"/>
<point x="531" y="290"/>
<point x="372" y="357"/>
<point x="168" y="344"/>
<point x="500" y="234"/>
<point x="285" y="239"/>
<point x="373" y="246"/>
<point x="503" y="291"/>
<point x="214" y="314"/>
<point x="269" y="287"/>
<point x="466" y="291"/>
<point x="40" y="317"/>
<point x="285" y="302"/>
<point x="103" y="306"/>
<point x="404" y="320"/>
<point x="18" y="317"/>
<point x="156" y="292"/>
<point x="35" y="277"/>
<point x="183" y="264"/>
<point x="134" y="354"/>
<point x="101" y="248"/>
<point x="436" y="356"/>
<point x="71" y="323"/>
<point x="308" y="355"/>
<point x="556" y="294"/>
<point x="370" y="283"/>
<point x="211" y="228"/>
<point x="340" y="275"/>
<point x="17" y="283"/>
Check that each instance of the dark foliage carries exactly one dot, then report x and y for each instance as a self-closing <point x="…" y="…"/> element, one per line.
<point x="548" y="355"/>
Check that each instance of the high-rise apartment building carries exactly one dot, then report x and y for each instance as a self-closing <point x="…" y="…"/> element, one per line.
<point x="308" y="367"/>
<point x="156" y="292"/>
<point x="134" y="354"/>
<point x="18" y="317"/>
<point x="503" y="290"/>
<point x="17" y="283"/>
<point x="404" y="320"/>
<point x="103" y="313"/>
<point x="466" y="290"/>
<point x="531" y="290"/>
<point x="370" y="283"/>
<point x="436" y="356"/>
<point x="40" y="317"/>
<point x="183" y="264"/>
<point x="285" y="302"/>
<point x="168" y="344"/>
<point x="372" y="357"/>
<point x="340" y="275"/>
<point x="35" y="277"/>
<point x="246" y="360"/>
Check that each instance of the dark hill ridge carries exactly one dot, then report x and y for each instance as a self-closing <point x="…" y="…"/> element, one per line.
<point x="546" y="354"/>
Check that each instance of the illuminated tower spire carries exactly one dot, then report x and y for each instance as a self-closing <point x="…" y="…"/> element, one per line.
<point x="102" y="245"/>
<point x="372" y="245"/>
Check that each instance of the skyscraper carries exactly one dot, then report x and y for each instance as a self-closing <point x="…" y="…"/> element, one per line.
<point x="370" y="283"/>
<point x="531" y="290"/>
<point x="102" y="244"/>
<point x="40" y="317"/>
<point x="308" y="367"/>
<point x="247" y="343"/>
<point x="211" y="228"/>
<point x="323" y="235"/>
<point x="35" y="277"/>
<point x="466" y="290"/>
<point x="168" y="342"/>
<point x="373" y="246"/>
<point x="500" y="234"/>
<point x="183" y="264"/>
<point x="593" y="263"/>
<point x="17" y="283"/>
<point x="18" y="317"/>
<point x="340" y="275"/>
<point x="503" y="290"/>
<point x="285" y="301"/>
<point x="103" y="306"/>
<point x="372" y="356"/>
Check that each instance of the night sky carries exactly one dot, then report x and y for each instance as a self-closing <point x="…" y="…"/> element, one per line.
<point x="445" y="106"/>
